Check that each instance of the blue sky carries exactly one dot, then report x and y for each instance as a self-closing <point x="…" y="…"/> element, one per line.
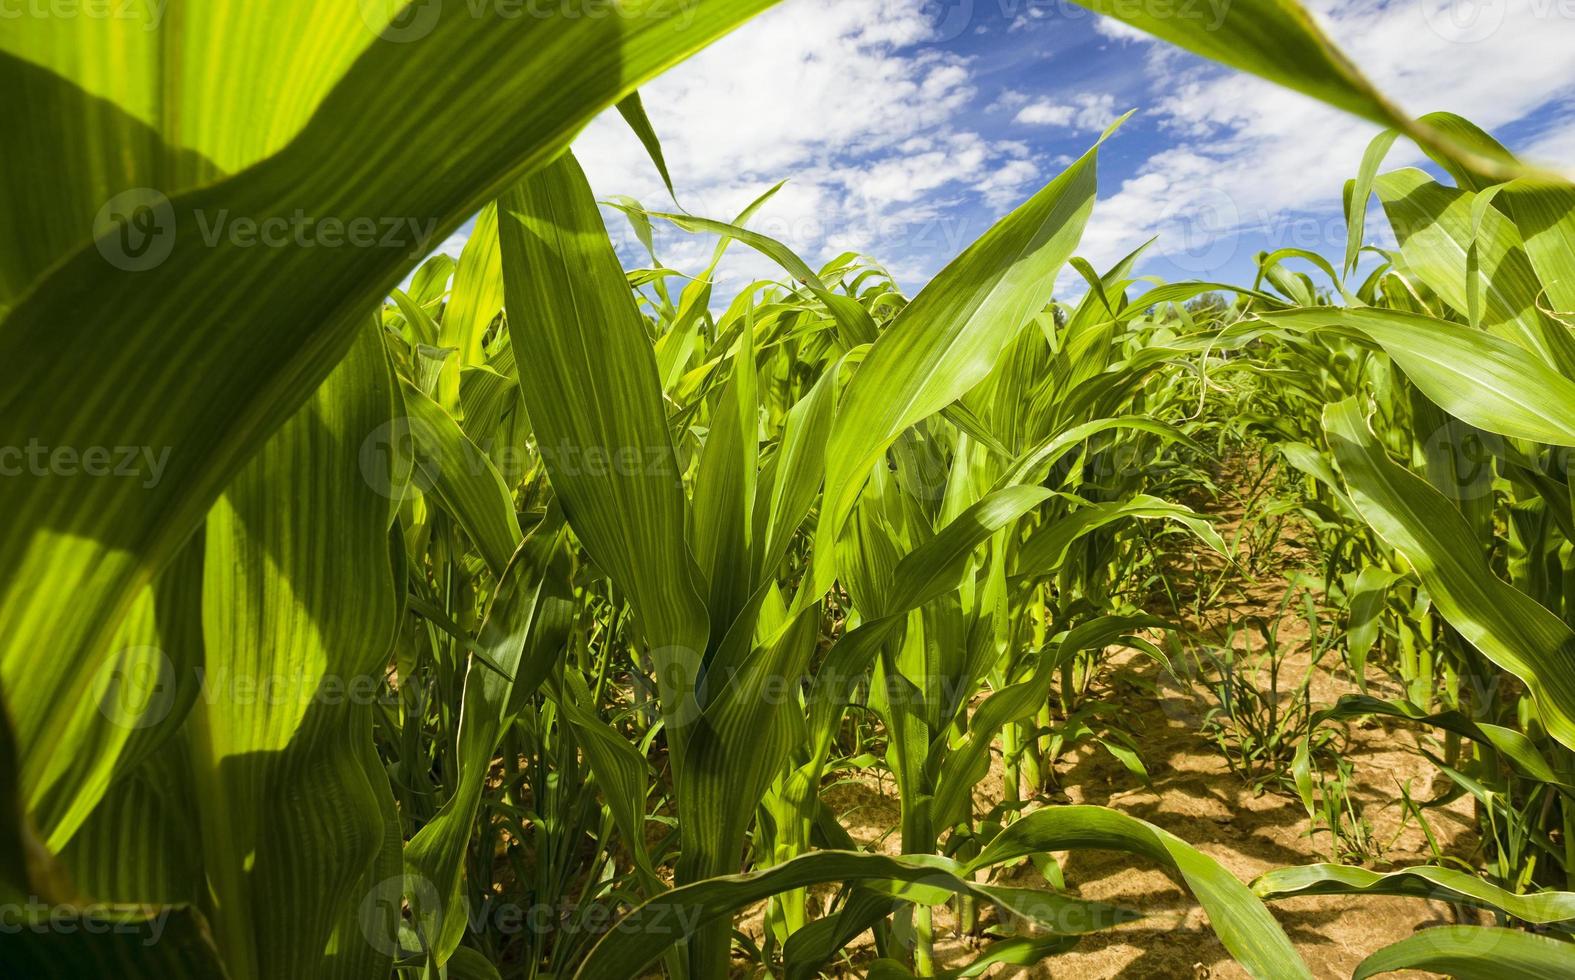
<point x="906" y="128"/>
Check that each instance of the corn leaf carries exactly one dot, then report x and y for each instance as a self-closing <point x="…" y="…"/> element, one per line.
<point x="1474" y="953"/>
<point x="1508" y="626"/>
<point x="1434" y="884"/>
<point x="1280" y="41"/>
<point x="201" y="369"/>
<point x="590" y="384"/>
<point x="1238" y="917"/>
<point x="949" y="337"/>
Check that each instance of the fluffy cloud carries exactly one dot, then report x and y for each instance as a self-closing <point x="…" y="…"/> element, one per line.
<point x="878" y="128"/>
<point x="839" y="96"/>
<point x="1555" y="145"/>
<point x="1119" y="30"/>
<point x="1087" y="111"/>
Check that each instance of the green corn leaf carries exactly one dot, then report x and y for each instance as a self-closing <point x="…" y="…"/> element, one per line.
<point x="1033" y="465"/>
<point x="1460" y="251"/>
<point x="1280" y="41"/>
<point x="172" y="943"/>
<point x="1310" y="462"/>
<point x="949" y="337"/>
<point x="1474" y="953"/>
<point x="476" y="299"/>
<point x="1433" y="884"/>
<point x="142" y="696"/>
<point x="852" y="318"/>
<point x="621" y="775"/>
<point x="632" y="108"/>
<point x="1514" y="745"/>
<point x="935" y="568"/>
<point x="1047" y="548"/>
<point x="793" y="476"/>
<point x="430" y="283"/>
<point x="959" y="767"/>
<point x="725" y="489"/>
<point x="1360" y="193"/>
<point x="1545" y="216"/>
<point x="462" y="477"/>
<point x="520" y="654"/>
<point x="1508" y="626"/>
<point x="641" y="936"/>
<point x="299" y="614"/>
<point x="1368" y="594"/>
<point x="1492" y="383"/>
<point x="1237" y="915"/>
<point x="278" y="128"/>
<point x="52" y="933"/>
<point x="590" y="384"/>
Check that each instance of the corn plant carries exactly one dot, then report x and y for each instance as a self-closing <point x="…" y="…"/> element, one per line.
<point x="508" y="615"/>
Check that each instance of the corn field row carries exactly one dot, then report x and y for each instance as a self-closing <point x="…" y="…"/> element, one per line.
<point x="518" y="615"/>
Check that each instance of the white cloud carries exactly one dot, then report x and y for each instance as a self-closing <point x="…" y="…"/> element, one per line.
<point x="1025" y="20"/>
<point x="879" y="137"/>
<point x="1120" y="30"/>
<point x="1003" y="188"/>
<point x="1008" y="100"/>
<point x="1555" y="146"/>
<point x="1044" y="113"/>
<point x="1087" y="111"/>
<point x="836" y="95"/>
